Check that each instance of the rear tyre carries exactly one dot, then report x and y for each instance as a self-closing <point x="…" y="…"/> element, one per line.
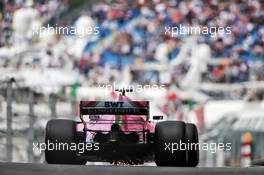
<point x="61" y="131"/>
<point x="192" y="140"/>
<point x="168" y="135"/>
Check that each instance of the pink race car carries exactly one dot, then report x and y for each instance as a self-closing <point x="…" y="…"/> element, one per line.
<point x="120" y="131"/>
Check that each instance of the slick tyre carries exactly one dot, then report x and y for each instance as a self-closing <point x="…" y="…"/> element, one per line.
<point x="168" y="137"/>
<point x="192" y="140"/>
<point x="61" y="131"/>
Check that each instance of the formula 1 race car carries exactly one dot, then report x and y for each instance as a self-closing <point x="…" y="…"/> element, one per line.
<point x="120" y="131"/>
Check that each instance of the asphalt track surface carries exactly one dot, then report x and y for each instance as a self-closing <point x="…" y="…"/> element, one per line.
<point x="44" y="169"/>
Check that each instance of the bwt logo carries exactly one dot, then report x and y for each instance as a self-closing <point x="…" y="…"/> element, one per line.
<point x="110" y="104"/>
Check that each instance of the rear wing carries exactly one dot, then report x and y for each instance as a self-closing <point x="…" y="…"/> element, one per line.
<point x="114" y="108"/>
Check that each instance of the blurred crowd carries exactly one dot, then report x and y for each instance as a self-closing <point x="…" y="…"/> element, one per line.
<point x="244" y="17"/>
<point x="137" y="32"/>
<point x="237" y="71"/>
<point x="243" y="48"/>
<point x="9" y="7"/>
